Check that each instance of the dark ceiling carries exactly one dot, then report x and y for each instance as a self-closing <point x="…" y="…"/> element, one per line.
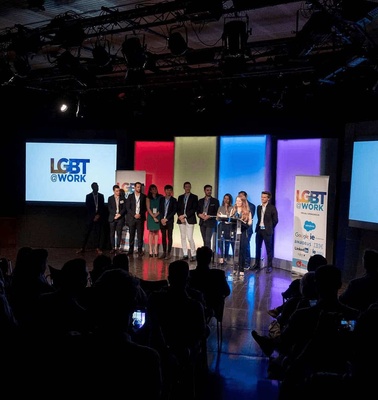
<point x="160" y="54"/>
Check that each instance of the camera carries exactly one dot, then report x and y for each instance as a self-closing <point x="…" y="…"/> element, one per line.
<point x="138" y="319"/>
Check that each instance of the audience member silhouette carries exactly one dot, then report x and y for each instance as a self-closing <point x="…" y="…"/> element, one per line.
<point x="118" y="365"/>
<point x="63" y="311"/>
<point x="8" y="322"/>
<point x="314" y="340"/>
<point x="211" y="282"/>
<point x="307" y="298"/>
<point x="364" y="369"/>
<point x="6" y="273"/>
<point x="28" y="283"/>
<point x="10" y="340"/>
<point x="293" y="290"/>
<point x="361" y="292"/>
<point x="178" y="329"/>
<point x="100" y="264"/>
<point x="121" y="261"/>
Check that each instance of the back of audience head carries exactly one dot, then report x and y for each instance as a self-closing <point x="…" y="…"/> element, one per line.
<point x="22" y="259"/>
<point x="4" y="266"/>
<point x="74" y="275"/>
<point x="121" y="261"/>
<point x="100" y="264"/>
<point x="328" y="280"/>
<point x="38" y="262"/>
<point x="370" y="260"/>
<point x="204" y="256"/>
<point x="115" y="298"/>
<point x="315" y="261"/>
<point x="178" y="273"/>
<point x="308" y="286"/>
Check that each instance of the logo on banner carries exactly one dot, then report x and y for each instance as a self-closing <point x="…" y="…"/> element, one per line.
<point x="310" y="200"/>
<point x="69" y="169"/>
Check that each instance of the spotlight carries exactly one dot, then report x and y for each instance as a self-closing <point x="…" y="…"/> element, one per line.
<point x="102" y="57"/>
<point x="235" y="37"/>
<point x="63" y="107"/>
<point x="69" y="32"/>
<point x="67" y="62"/>
<point x="134" y="53"/>
<point x="39" y="4"/>
<point x="177" y="44"/>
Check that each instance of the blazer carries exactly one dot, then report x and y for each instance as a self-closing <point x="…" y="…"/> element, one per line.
<point x="113" y="208"/>
<point x="172" y="209"/>
<point x="190" y="210"/>
<point x="91" y="205"/>
<point x="252" y="207"/>
<point x="270" y="218"/>
<point x="211" y="210"/>
<point x="131" y="207"/>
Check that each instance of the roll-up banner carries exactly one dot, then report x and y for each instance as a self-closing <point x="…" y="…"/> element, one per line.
<point x="310" y="219"/>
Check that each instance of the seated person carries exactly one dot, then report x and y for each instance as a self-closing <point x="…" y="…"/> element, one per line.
<point x="212" y="282"/>
<point x="307" y="298"/>
<point x="178" y="330"/>
<point x="314" y="262"/>
<point x="312" y="340"/>
<point x="361" y="292"/>
<point x="117" y="364"/>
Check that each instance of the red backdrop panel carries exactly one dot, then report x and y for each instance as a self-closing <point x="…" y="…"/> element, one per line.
<point x="157" y="159"/>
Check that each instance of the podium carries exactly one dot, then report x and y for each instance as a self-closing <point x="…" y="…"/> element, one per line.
<point x="228" y="239"/>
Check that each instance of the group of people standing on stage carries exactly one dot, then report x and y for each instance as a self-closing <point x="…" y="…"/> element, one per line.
<point x="160" y="211"/>
<point x="121" y="210"/>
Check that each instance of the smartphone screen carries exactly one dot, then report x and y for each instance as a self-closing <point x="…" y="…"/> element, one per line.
<point x="138" y="319"/>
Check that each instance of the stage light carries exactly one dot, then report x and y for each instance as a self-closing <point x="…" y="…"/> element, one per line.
<point x="69" y="31"/>
<point x="39" y="4"/>
<point x="177" y="44"/>
<point x="204" y="10"/>
<point x="235" y="37"/>
<point x="102" y="57"/>
<point x="134" y="53"/>
<point x="63" y="107"/>
<point x="67" y="62"/>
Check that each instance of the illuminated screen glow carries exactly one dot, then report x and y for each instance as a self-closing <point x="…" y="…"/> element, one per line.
<point x="294" y="157"/>
<point x="243" y="165"/>
<point x="363" y="210"/>
<point x="63" y="172"/>
<point x="157" y="160"/>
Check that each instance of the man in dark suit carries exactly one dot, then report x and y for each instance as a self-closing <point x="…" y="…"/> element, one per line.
<point x="136" y="217"/>
<point x="187" y="206"/>
<point x="95" y="204"/>
<point x="167" y="211"/>
<point x="207" y="213"/>
<point x="252" y="208"/>
<point x="117" y="212"/>
<point x="267" y="219"/>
